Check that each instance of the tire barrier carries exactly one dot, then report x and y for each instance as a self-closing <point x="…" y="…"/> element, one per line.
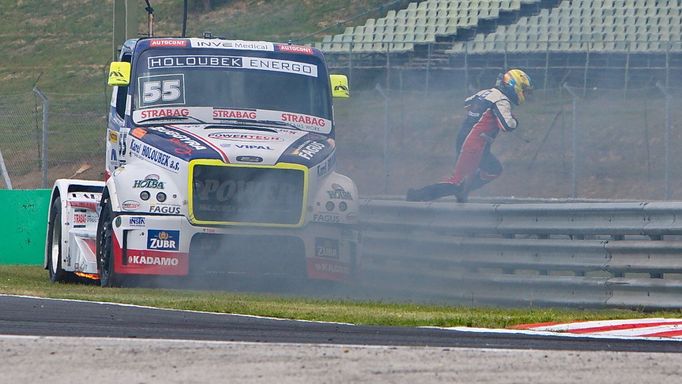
<point x="587" y="254"/>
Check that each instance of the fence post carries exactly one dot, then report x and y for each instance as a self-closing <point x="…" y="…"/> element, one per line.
<point x="587" y="69"/>
<point x="546" y="69"/>
<point x="667" y="64"/>
<point x="350" y="57"/>
<point x="386" y="135"/>
<point x="574" y="142"/>
<point x="466" y="67"/>
<point x="3" y="171"/>
<point x="666" y="140"/>
<point x="627" y="71"/>
<point x="43" y="149"/>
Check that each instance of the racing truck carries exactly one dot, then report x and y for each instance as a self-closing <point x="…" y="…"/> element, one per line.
<point x="220" y="158"/>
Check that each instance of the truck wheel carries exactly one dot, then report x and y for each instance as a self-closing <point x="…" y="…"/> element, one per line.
<point x="54" y="241"/>
<point x="105" y="255"/>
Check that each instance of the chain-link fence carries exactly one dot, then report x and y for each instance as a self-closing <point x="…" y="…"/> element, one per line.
<point x="74" y="133"/>
<point x="572" y="141"/>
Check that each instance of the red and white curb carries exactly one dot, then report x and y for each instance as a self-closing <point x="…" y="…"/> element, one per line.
<point x="654" y="327"/>
<point x="634" y="329"/>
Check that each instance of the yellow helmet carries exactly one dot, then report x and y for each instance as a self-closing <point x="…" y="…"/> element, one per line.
<point x="514" y="83"/>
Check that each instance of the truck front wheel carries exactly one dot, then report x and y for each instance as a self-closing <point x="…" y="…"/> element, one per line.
<point x="105" y="254"/>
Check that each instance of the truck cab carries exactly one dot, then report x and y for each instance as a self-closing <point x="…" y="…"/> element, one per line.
<point x="220" y="159"/>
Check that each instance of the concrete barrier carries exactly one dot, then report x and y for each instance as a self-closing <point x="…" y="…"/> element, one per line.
<point x="23" y="223"/>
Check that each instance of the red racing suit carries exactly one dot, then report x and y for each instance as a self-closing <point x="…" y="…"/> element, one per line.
<point x="488" y="112"/>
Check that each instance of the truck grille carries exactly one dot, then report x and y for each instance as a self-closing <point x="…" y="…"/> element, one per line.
<point x="223" y="194"/>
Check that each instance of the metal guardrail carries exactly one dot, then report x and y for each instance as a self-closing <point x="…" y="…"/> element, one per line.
<point x="585" y="254"/>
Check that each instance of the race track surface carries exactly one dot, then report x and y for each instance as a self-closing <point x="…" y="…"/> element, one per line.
<point x="47" y="317"/>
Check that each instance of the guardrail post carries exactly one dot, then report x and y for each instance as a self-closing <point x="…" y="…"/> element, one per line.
<point x="666" y="141"/>
<point x="43" y="149"/>
<point x="386" y="135"/>
<point x="574" y="142"/>
<point x="3" y="171"/>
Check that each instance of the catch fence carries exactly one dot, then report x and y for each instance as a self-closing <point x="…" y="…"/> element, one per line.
<point x="571" y="142"/>
<point x="45" y="135"/>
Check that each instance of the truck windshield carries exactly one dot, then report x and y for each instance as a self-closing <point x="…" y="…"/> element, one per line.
<point x="232" y="79"/>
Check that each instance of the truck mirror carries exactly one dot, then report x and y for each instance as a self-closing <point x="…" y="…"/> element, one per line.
<point x="119" y="73"/>
<point x="339" y="86"/>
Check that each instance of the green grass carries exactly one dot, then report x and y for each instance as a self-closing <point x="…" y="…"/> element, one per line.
<point x="67" y="43"/>
<point x="31" y="280"/>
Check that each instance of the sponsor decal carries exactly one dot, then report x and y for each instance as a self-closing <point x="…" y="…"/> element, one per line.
<point x="150" y="260"/>
<point x="79" y="220"/>
<point x="234" y="114"/>
<point x="113" y="137"/>
<point x="155" y="156"/>
<point x="327" y="248"/>
<point x="295" y="49"/>
<point x="275" y="65"/>
<point x="163" y="112"/>
<point x="138" y="132"/>
<point x="182" y="148"/>
<point x="150" y="181"/>
<point x="304" y="119"/>
<point x="243" y="136"/>
<point x="137" y="221"/>
<point x="232" y="44"/>
<point x="82" y="218"/>
<point x="326" y="218"/>
<point x="179" y="138"/>
<point x="130" y="205"/>
<point x="250" y="159"/>
<point x="327" y="166"/>
<point x="194" y="61"/>
<point x="339" y="193"/>
<point x="330" y="268"/>
<point x="261" y="147"/>
<point x="163" y="240"/>
<point x="245" y="194"/>
<point x="165" y="209"/>
<point x="167" y="43"/>
<point x="309" y="150"/>
<point x="91" y="205"/>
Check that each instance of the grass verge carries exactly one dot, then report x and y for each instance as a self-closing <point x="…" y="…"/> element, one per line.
<point x="32" y="280"/>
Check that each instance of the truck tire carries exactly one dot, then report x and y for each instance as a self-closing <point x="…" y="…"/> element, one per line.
<point x="54" y="241"/>
<point x="105" y="257"/>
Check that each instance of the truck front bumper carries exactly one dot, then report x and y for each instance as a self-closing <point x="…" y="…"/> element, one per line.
<point x="172" y="246"/>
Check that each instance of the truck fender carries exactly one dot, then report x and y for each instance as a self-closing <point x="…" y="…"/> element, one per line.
<point x="61" y="190"/>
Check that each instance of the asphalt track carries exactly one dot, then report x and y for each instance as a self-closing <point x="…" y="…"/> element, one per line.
<point x="48" y="317"/>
